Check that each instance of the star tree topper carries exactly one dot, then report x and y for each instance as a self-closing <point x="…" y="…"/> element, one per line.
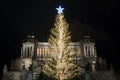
<point x="60" y="10"/>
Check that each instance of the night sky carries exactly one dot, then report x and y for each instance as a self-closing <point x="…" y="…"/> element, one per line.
<point x="97" y="18"/>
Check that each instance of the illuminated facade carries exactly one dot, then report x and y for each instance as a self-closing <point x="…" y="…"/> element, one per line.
<point x="35" y="53"/>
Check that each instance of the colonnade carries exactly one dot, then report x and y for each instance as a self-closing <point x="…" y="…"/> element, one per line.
<point x="89" y="51"/>
<point x="27" y="51"/>
<point x="42" y="52"/>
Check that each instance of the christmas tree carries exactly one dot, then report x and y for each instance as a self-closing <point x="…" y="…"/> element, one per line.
<point x="60" y="64"/>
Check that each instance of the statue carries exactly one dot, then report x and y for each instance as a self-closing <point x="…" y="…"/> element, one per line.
<point x="29" y="77"/>
<point x="23" y="73"/>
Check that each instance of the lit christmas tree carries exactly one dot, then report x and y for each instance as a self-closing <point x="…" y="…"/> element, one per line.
<point x="60" y="65"/>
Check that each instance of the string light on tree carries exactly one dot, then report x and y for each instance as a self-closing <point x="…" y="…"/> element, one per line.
<point x="60" y="65"/>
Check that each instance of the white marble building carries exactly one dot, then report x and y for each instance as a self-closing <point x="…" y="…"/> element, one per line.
<point x="35" y="53"/>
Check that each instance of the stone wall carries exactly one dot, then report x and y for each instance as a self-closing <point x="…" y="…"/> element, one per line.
<point x="19" y="62"/>
<point x="12" y="76"/>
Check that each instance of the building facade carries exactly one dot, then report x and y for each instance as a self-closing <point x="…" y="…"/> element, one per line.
<point x="34" y="55"/>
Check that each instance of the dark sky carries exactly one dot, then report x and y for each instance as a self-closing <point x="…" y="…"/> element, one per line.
<point x="98" y="18"/>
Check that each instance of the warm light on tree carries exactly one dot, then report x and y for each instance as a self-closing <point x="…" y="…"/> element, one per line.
<point x="60" y="65"/>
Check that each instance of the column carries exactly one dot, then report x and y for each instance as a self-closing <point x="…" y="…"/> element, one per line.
<point x="32" y="51"/>
<point x="90" y="51"/>
<point x="46" y="52"/>
<point x="93" y="51"/>
<point x="84" y="51"/>
<point x="23" y="51"/>
<point x="26" y="51"/>
<point x="87" y="52"/>
<point x="43" y="53"/>
<point x="37" y="52"/>
<point x="40" y="52"/>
